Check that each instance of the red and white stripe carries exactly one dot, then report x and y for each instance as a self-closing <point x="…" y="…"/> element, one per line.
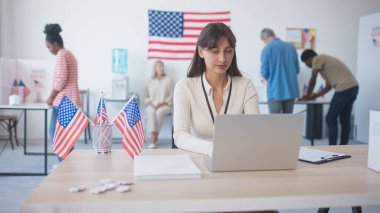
<point x="65" y="77"/>
<point x="106" y="131"/>
<point x="133" y="137"/>
<point x="183" y="48"/>
<point x="65" y="138"/>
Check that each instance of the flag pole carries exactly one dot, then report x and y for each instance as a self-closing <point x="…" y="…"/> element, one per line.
<point x="129" y="100"/>
<point x="101" y="102"/>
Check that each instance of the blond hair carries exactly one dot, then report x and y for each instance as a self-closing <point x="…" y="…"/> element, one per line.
<point x="156" y="63"/>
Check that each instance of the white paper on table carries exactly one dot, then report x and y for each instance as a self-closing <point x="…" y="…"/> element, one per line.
<point x="165" y="167"/>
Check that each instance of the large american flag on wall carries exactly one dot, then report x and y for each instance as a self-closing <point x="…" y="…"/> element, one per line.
<point x="173" y="35"/>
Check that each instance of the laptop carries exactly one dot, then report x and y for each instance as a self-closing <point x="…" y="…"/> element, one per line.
<point x="256" y="142"/>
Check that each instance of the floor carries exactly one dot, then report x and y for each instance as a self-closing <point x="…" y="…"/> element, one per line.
<point x="14" y="189"/>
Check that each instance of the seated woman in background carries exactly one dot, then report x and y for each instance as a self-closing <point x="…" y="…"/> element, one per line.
<point x="214" y="85"/>
<point x="158" y="101"/>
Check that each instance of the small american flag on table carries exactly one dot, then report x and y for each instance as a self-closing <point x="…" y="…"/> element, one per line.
<point x="102" y="132"/>
<point x="71" y="122"/>
<point x="101" y="113"/>
<point x="173" y="35"/>
<point x="128" y="121"/>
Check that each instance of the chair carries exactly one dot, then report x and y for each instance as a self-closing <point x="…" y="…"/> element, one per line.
<point x="85" y="102"/>
<point x="9" y="123"/>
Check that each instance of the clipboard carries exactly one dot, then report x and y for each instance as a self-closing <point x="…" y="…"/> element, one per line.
<point x="318" y="156"/>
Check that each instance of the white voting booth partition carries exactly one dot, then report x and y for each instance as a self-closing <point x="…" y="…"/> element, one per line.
<point x="35" y="77"/>
<point x="368" y="74"/>
<point x="374" y="141"/>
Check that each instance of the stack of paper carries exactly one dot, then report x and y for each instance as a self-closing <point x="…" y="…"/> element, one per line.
<point x="318" y="156"/>
<point x="165" y="167"/>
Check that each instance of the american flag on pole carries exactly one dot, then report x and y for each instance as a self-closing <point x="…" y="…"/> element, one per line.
<point x="173" y="35"/>
<point x="26" y="89"/>
<point x="101" y="113"/>
<point x="102" y="132"/>
<point x="128" y="121"/>
<point x="71" y="122"/>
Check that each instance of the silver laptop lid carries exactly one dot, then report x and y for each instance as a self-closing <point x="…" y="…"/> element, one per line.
<point x="256" y="142"/>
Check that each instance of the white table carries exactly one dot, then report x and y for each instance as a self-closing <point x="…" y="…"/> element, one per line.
<point x="345" y="182"/>
<point x="25" y="108"/>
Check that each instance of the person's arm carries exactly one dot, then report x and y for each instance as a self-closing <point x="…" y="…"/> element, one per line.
<point x="251" y="100"/>
<point x="264" y="64"/>
<point x="52" y="97"/>
<point x="297" y="64"/>
<point x="321" y="92"/>
<point x="169" y="98"/>
<point x="60" y="77"/>
<point x="311" y="85"/>
<point x="183" y="138"/>
<point x="147" y="100"/>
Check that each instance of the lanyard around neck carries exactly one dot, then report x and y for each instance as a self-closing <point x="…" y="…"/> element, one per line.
<point x="208" y="103"/>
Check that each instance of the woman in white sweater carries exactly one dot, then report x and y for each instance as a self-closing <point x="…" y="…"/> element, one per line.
<point x="158" y="101"/>
<point x="214" y="85"/>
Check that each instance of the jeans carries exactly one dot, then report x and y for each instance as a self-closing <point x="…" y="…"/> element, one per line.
<point x="341" y="106"/>
<point x="284" y="106"/>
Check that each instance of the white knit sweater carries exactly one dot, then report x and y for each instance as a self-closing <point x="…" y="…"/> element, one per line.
<point x="193" y="125"/>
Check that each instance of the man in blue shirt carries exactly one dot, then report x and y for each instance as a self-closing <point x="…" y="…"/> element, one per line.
<point x="279" y="67"/>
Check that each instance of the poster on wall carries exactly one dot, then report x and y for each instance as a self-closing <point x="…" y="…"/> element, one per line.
<point x="301" y="38"/>
<point x="294" y="36"/>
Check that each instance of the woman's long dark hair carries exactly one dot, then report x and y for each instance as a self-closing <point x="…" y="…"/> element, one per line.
<point x="208" y="38"/>
<point x="52" y="34"/>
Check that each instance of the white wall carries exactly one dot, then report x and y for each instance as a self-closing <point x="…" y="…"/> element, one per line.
<point x="2" y="25"/>
<point x="368" y="75"/>
<point x="91" y="29"/>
